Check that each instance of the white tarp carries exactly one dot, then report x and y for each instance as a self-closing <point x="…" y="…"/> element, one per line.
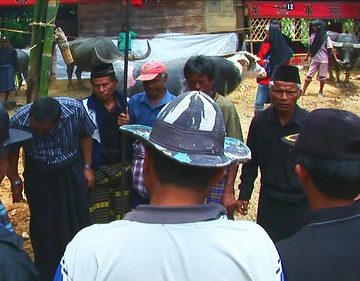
<point x="169" y="46"/>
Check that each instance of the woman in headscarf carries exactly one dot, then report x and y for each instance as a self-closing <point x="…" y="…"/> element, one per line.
<point x="320" y="48"/>
<point x="273" y="52"/>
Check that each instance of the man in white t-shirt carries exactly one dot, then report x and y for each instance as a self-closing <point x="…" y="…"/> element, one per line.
<point x="320" y="48"/>
<point x="177" y="237"/>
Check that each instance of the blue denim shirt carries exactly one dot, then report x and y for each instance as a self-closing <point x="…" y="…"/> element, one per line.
<point x="141" y="110"/>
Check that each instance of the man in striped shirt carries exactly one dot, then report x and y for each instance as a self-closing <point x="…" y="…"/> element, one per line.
<point x="56" y="174"/>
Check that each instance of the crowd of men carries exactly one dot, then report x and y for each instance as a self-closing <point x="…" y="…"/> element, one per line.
<point x="145" y="189"/>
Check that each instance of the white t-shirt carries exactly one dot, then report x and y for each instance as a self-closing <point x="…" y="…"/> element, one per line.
<point x="218" y="249"/>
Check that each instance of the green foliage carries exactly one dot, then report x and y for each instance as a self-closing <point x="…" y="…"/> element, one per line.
<point x="287" y="27"/>
<point x="348" y="26"/>
<point x="17" y="21"/>
<point x="304" y="31"/>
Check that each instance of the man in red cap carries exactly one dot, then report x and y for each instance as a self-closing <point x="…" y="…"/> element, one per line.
<point x="143" y="109"/>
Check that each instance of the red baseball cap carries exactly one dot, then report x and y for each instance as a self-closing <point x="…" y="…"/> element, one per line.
<point x="150" y="70"/>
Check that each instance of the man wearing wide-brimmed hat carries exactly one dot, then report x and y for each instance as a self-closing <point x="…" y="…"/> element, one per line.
<point x="177" y="235"/>
<point x="15" y="264"/>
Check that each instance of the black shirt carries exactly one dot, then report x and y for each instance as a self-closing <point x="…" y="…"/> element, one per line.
<point x="326" y="248"/>
<point x="111" y="137"/>
<point x="275" y="158"/>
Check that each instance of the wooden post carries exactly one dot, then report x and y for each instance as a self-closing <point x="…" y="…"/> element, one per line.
<point x="43" y="14"/>
<point x="48" y="45"/>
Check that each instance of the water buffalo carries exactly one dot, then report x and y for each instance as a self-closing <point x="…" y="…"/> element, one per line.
<point x="348" y="51"/>
<point x="89" y="52"/>
<point x="229" y="73"/>
<point x="22" y="66"/>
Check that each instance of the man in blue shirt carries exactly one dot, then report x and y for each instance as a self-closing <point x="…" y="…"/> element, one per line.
<point x="143" y="110"/>
<point x="56" y="174"/>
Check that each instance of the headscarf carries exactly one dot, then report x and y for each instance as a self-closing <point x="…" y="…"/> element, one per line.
<point x="279" y="49"/>
<point x="320" y="36"/>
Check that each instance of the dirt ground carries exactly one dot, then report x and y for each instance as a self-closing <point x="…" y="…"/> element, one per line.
<point x="243" y="98"/>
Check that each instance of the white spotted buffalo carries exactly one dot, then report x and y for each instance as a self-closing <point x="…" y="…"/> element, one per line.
<point x="348" y="52"/>
<point x="229" y="73"/>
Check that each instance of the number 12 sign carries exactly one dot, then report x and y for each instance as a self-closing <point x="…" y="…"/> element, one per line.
<point x="290" y="6"/>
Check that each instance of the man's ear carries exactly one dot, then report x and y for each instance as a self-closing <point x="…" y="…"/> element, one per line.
<point x="218" y="175"/>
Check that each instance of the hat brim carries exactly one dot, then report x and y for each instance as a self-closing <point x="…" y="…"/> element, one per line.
<point x="147" y="77"/>
<point x="291" y="139"/>
<point x="234" y="150"/>
<point x="16" y="136"/>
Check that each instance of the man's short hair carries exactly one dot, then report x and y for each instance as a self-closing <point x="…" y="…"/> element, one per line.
<point x="200" y="65"/>
<point x="45" y="109"/>
<point x="172" y="172"/>
<point x="334" y="178"/>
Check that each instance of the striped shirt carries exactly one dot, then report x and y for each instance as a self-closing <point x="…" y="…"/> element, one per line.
<point x="63" y="141"/>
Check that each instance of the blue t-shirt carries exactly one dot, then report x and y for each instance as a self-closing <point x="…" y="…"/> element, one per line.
<point x="141" y="110"/>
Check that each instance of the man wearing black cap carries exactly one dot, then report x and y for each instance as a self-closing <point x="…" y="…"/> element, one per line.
<point x="328" y="167"/>
<point x="282" y="203"/>
<point x="179" y="236"/>
<point x="15" y="264"/>
<point x="107" y="109"/>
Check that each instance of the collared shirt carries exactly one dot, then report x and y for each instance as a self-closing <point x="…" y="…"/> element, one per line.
<point x="63" y="142"/>
<point x="275" y="158"/>
<point x="4" y="218"/>
<point x="141" y="110"/>
<point x="177" y="243"/>
<point x="326" y="248"/>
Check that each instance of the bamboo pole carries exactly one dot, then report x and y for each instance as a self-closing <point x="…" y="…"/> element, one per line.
<point x="48" y="45"/>
<point x="32" y="91"/>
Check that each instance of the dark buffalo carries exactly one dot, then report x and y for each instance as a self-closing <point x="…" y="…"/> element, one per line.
<point x="348" y="51"/>
<point x="230" y="72"/>
<point x="22" y="66"/>
<point x="89" y="52"/>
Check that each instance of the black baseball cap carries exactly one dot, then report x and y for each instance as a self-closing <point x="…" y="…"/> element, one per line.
<point x="329" y="133"/>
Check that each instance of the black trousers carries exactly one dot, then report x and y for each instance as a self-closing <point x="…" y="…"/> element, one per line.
<point x="58" y="210"/>
<point x="280" y="215"/>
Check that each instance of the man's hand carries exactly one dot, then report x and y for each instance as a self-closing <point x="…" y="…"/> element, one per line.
<point x="123" y="119"/>
<point x="16" y="190"/>
<point x="243" y="207"/>
<point x="90" y="178"/>
<point x="228" y="200"/>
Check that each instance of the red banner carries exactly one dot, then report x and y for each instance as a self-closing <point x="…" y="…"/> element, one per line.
<point x="32" y="2"/>
<point x="137" y="3"/>
<point x="309" y="9"/>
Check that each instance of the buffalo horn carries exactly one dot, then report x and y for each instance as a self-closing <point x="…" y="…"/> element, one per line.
<point x="144" y="56"/>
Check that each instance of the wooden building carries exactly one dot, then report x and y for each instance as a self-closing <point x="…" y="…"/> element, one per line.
<point x="160" y="16"/>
